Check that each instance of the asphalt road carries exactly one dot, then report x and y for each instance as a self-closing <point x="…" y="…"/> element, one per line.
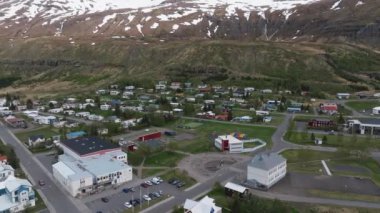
<point x="57" y="200"/>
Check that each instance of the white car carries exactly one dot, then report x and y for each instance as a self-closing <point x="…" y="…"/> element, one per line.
<point x="146" y="197"/>
<point x="128" y="205"/>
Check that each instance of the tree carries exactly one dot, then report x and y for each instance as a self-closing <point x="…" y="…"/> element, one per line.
<point x="229" y="116"/>
<point x="51" y="105"/>
<point x="29" y="104"/>
<point x="324" y="139"/>
<point x="312" y="137"/>
<point x="97" y="101"/>
<point x="188" y="109"/>
<point x="117" y="110"/>
<point x="341" y="119"/>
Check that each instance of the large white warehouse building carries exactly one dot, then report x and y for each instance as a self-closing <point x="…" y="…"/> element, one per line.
<point x="90" y="164"/>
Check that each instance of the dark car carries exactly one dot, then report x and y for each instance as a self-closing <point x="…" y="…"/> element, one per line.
<point x="137" y="200"/>
<point x="126" y="190"/>
<point x="175" y="182"/>
<point x="180" y="184"/>
<point x="105" y="200"/>
<point x="144" y="185"/>
<point x="132" y="189"/>
<point x="133" y="202"/>
<point x="156" y="194"/>
<point x="151" y="195"/>
<point x="41" y="183"/>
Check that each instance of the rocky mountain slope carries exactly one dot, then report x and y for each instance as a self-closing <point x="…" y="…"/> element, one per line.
<point x="355" y="20"/>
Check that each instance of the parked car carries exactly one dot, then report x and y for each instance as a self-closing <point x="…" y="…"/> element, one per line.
<point x="133" y="202"/>
<point x="149" y="183"/>
<point x="151" y="195"/>
<point x="155" y="181"/>
<point x="105" y="200"/>
<point x="160" y="192"/>
<point x="174" y="181"/>
<point x="145" y="185"/>
<point x="126" y="190"/>
<point x="128" y="205"/>
<point x="180" y="185"/>
<point x="41" y="182"/>
<point x="132" y="189"/>
<point x="156" y="194"/>
<point x="146" y="197"/>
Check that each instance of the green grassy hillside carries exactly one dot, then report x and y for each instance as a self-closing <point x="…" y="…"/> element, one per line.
<point x="295" y="66"/>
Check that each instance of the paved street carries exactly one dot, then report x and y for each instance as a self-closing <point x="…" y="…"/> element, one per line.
<point x="58" y="200"/>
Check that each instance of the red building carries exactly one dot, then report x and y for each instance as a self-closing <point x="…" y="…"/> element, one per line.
<point x="326" y="123"/>
<point x="330" y="108"/>
<point x="3" y="159"/>
<point x="150" y="136"/>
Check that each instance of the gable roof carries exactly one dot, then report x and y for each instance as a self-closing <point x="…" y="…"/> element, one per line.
<point x="36" y="137"/>
<point x="266" y="161"/>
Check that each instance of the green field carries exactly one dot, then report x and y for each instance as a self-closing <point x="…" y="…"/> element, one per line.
<point x="164" y="159"/>
<point x="135" y="158"/>
<point x="205" y="134"/>
<point x="309" y="161"/>
<point x="344" y="196"/>
<point x="251" y="145"/>
<point x="151" y="172"/>
<point x="363" y="105"/>
<point x="45" y="131"/>
<point x="340" y="141"/>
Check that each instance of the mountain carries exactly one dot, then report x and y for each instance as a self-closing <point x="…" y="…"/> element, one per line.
<point x="52" y="46"/>
<point x="355" y="20"/>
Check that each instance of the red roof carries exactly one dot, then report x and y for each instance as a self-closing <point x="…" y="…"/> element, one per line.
<point x="3" y="158"/>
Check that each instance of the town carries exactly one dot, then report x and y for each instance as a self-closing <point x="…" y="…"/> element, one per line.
<point x="188" y="147"/>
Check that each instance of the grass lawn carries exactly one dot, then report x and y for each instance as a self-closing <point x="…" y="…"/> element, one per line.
<point x="344" y="195"/>
<point x="181" y="175"/>
<point x="165" y="158"/>
<point x="251" y="145"/>
<point x="135" y="158"/>
<point x="152" y="172"/>
<point x="45" y="131"/>
<point x="340" y="141"/>
<point x="363" y="105"/>
<point x="40" y="205"/>
<point x="309" y="161"/>
<point x="205" y="134"/>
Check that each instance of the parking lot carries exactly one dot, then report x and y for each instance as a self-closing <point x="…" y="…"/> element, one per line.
<point x="117" y="200"/>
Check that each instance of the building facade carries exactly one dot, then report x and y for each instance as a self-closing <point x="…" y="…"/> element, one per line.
<point x="266" y="169"/>
<point x="15" y="194"/>
<point x="229" y="143"/>
<point x="90" y="164"/>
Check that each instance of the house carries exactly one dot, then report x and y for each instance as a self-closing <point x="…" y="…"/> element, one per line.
<point x="363" y="126"/>
<point x="16" y="122"/>
<point x="160" y="87"/>
<point x="69" y="112"/>
<point x="129" y="88"/>
<point x="318" y="141"/>
<point x="36" y="139"/>
<point x="249" y="89"/>
<point x="261" y="112"/>
<point x="329" y="108"/>
<point x="70" y="106"/>
<point x="102" y="131"/>
<point x="113" y="119"/>
<point x="101" y="92"/>
<point x="175" y="85"/>
<point x="343" y="95"/>
<point x="21" y="107"/>
<point x="76" y="134"/>
<point x="56" y="110"/>
<point x="265" y="170"/>
<point x="266" y="91"/>
<point x="82" y="114"/>
<point x="321" y="123"/>
<point x="114" y="92"/>
<point x="239" y="92"/>
<point x="228" y="143"/>
<point x="376" y="110"/>
<point x="3" y="160"/>
<point x="105" y="107"/>
<point x="71" y="100"/>
<point x="130" y="122"/>
<point x="293" y="109"/>
<point x="47" y="120"/>
<point x="243" y="119"/>
<point x="205" y="205"/>
<point x="267" y="119"/>
<point x="89" y="164"/>
<point x="232" y="188"/>
<point x="16" y="194"/>
<point x="190" y="99"/>
<point x="89" y="100"/>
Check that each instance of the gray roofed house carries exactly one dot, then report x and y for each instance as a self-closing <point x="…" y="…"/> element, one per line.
<point x="266" y="161"/>
<point x="265" y="170"/>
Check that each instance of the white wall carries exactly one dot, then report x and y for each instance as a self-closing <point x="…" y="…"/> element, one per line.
<point x="267" y="178"/>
